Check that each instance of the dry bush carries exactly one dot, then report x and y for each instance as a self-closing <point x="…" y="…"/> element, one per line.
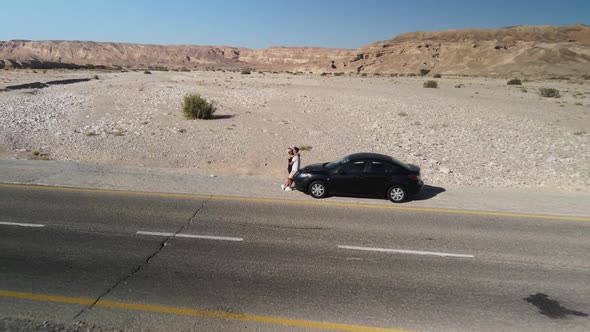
<point x="549" y="92"/>
<point x="197" y="107"/>
<point x="514" y="81"/>
<point x="430" y="84"/>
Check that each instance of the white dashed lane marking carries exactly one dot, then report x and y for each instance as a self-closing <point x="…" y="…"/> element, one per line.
<point x="19" y="224"/>
<point x="412" y="252"/>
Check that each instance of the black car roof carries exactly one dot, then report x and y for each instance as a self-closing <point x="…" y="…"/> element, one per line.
<point x="367" y="155"/>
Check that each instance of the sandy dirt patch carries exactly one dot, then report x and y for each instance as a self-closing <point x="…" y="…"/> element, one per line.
<point x="483" y="134"/>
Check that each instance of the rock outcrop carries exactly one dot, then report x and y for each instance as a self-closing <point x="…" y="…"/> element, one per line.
<point x="528" y="50"/>
<point x="66" y="54"/>
<point x="520" y="50"/>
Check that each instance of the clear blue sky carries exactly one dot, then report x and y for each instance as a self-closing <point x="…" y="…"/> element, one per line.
<point x="258" y="23"/>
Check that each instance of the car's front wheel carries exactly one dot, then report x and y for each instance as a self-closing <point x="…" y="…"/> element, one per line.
<point x="397" y="194"/>
<point x="318" y="189"/>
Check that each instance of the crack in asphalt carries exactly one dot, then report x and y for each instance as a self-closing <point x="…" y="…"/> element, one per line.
<point x="146" y="262"/>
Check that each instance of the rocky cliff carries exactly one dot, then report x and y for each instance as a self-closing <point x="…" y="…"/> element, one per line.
<point x="20" y="53"/>
<point x="531" y="50"/>
<point x="525" y="50"/>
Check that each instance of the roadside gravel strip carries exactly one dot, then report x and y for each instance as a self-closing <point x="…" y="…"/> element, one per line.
<point x="163" y="181"/>
<point x="30" y="325"/>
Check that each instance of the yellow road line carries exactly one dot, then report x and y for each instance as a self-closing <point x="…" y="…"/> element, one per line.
<point x="196" y="312"/>
<point x="299" y="202"/>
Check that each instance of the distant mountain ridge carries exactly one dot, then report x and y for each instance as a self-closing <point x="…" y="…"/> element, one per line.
<point x="526" y="50"/>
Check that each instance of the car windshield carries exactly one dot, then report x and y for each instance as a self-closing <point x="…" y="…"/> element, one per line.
<point x="336" y="163"/>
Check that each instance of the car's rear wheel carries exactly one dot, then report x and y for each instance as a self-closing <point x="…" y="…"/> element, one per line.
<point x="397" y="194"/>
<point x="318" y="189"/>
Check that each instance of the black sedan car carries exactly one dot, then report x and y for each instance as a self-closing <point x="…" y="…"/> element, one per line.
<point x="361" y="174"/>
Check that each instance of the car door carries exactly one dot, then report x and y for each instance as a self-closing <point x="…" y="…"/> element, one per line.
<point x="346" y="179"/>
<point x="378" y="177"/>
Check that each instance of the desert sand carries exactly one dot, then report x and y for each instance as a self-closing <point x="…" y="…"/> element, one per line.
<point x="483" y="133"/>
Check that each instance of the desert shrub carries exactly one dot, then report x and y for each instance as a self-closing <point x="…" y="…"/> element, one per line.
<point x="586" y="76"/>
<point x="184" y="69"/>
<point x="411" y="75"/>
<point x="424" y="72"/>
<point x="514" y="81"/>
<point x="430" y="84"/>
<point x="147" y="72"/>
<point x="364" y="74"/>
<point x="437" y="76"/>
<point x="393" y="75"/>
<point x="324" y="74"/>
<point x="197" y="107"/>
<point x="402" y="114"/>
<point x="95" y="77"/>
<point x="246" y="72"/>
<point x="549" y="92"/>
<point x="305" y="147"/>
<point x="377" y="74"/>
<point x="338" y="74"/>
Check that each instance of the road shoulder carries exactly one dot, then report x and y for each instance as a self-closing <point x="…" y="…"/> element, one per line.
<point x="190" y="181"/>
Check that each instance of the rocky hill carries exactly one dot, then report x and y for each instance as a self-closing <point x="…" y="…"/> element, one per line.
<point x="53" y="54"/>
<point x="523" y="50"/>
<point x="528" y="50"/>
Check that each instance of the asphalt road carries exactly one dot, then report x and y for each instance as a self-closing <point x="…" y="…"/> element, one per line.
<point x="166" y="262"/>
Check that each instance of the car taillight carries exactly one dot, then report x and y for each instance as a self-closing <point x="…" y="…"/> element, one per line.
<point x="414" y="177"/>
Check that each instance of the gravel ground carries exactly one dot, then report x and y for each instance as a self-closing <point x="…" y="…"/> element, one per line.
<point x="11" y="324"/>
<point x="484" y="134"/>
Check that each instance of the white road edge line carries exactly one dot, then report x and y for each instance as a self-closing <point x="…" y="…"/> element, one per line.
<point x="192" y="236"/>
<point x="399" y="251"/>
<point x="20" y="224"/>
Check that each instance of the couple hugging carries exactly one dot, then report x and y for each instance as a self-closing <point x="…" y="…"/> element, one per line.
<point x="292" y="168"/>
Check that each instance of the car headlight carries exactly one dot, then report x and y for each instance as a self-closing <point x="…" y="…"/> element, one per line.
<point x="303" y="175"/>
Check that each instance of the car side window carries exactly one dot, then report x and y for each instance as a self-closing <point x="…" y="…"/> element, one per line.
<point x="379" y="167"/>
<point x="354" y="167"/>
